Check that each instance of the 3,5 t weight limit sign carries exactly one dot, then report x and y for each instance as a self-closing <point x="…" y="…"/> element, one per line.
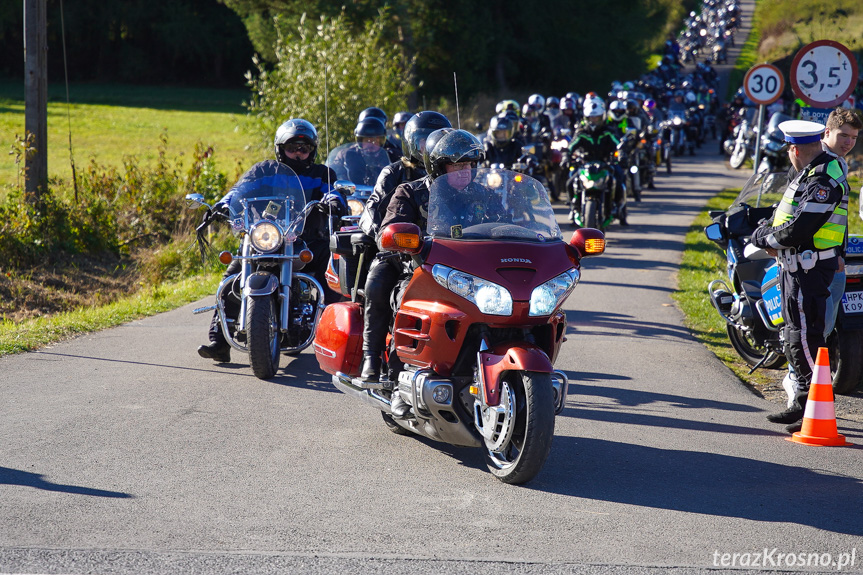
<point x="763" y="84"/>
<point x="824" y="73"/>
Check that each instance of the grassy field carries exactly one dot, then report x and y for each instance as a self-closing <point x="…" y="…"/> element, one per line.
<point x="110" y="123"/>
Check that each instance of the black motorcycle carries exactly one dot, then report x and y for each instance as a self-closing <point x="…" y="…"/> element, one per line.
<point x="773" y="147"/>
<point x="279" y="305"/>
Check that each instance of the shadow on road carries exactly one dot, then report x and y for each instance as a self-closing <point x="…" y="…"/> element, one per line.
<point x="16" y="477"/>
<point x="634" y="397"/>
<point x="586" y="323"/>
<point x="704" y="483"/>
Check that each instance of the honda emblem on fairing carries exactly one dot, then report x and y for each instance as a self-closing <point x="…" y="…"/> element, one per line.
<point x="515" y="261"/>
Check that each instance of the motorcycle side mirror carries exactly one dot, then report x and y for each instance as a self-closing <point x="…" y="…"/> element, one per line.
<point x="588" y="242"/>
<point x="714" y="232"/>
<point x="345" y="186"/>
<point x="403" y="237"/>
<point x="196" y="201"/>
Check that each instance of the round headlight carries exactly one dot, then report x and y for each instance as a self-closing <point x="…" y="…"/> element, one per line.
<point x="265" y="236"/>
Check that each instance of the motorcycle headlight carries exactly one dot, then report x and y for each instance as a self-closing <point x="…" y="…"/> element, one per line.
<point x="677" y="121"/>
<point x="265" y="236"/>
<point x="356" y="207"/>
<point x="489" y="297"/>
<point x="546" y="298"/>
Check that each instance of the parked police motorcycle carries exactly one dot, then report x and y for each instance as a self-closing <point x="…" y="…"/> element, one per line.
<point x="279" y="305"/>
<point x="750" y="301"/>
<point x="477" y="325"/>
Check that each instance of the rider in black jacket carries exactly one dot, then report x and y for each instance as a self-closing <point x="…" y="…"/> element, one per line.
<point x="295" y="144"/>
<point x="409" y="203"/>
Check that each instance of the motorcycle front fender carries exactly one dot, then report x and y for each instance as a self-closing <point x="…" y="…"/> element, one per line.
<point x="260" y="283"/>
<point x="509" y="356"/>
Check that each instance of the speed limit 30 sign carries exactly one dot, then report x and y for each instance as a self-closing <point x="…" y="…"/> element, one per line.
<point x="763" y="84"/>
<point x="824" y="73"/>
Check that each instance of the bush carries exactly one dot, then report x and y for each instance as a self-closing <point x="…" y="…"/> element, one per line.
<point x="120" y="212"/>
<point x="355" y="71"/>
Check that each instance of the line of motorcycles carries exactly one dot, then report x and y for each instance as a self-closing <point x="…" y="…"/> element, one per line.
<point x="749" y="300"/>
<point x="478" y="323"/>
<point x="745" y="136"/>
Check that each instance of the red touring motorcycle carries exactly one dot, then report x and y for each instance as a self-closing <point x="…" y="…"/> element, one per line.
<point x="478" y="324"/>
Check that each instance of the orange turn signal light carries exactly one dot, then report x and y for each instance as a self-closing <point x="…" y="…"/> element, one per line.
<point x="594" y="246"/>
<point x="407" y="240"/>
<point x="306" y="256"/>
<point x="226" y="258"/>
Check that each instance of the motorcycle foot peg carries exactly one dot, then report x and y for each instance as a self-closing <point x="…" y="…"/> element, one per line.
<point x="204" y="309"/>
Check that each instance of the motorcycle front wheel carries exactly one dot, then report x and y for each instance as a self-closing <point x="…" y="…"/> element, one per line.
<point x="738" y="156"/>
<point x="519" y="451"/>
<point x="846" y="360"/>
<point x="751" y="351"/>
<point x="591" y="214"/>
<point x="262" y="337"/>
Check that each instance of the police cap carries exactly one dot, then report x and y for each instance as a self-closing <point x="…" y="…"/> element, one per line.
<point x="801" y="131"/>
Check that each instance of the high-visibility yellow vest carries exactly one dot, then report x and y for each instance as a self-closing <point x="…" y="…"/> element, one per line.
<point x="832" y="233"/>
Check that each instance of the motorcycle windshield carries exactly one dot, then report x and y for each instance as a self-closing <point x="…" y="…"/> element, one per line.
<point x="763" y="189"/>
<point x="482" y="204"/>
<point x="773" y="124"/>
<point x="358" y="163"/>
<point x="273" y="193"/>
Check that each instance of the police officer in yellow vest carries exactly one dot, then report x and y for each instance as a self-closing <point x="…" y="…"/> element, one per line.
<point x="806" y="235"/>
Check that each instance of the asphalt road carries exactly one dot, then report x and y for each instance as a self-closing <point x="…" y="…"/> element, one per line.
<point x="124" y="452"/>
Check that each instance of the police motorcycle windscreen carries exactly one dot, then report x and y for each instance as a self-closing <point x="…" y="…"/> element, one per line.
<point x="749" y="299"/>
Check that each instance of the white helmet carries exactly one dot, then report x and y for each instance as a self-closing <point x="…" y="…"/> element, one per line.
<point x="617" y="110"/>
<point x="536" y="102"/>
<point x="593" y="108"/>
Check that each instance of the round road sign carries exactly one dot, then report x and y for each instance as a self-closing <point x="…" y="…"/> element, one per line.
<point x="763" y="84"/>
<point x="824" y="73"/>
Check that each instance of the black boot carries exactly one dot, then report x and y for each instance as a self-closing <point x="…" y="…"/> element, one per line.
<point x="399" y="408"/>
<point x="371" y="366"/>
<point x="794" y="427"/>
<point x="793" y="413"/>
<point x="218" y="351"/>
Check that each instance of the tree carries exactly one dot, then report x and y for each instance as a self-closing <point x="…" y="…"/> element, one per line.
<point x="326" y="74"/>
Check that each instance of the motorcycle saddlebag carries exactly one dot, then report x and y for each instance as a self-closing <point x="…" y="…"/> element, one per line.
<point x="339" y="338"/>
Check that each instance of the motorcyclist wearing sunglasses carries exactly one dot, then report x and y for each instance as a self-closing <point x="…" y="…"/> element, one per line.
<point x="295" y="145"/>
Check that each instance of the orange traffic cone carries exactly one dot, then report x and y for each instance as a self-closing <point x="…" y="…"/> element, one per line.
<point x="819" y="417"/>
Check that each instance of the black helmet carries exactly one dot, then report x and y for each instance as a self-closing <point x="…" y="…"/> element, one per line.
<point x="373" y="113"/>
<point x="501" y="129"/>
<point x="296" y="130"/>
<point x="401" y="118"/>
<point x="417" y="131"/>
<point x="371" y="127"/>
<point x="452" y="148"/>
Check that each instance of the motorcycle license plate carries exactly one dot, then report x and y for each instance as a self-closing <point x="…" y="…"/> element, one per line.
<point x="852" y="302"/>
<point x="855" y="245"/>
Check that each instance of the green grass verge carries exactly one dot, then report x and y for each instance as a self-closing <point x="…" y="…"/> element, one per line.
<point x="702" y="262"/>
<point x="110" y="124"/>
<point x="36" y="333"/>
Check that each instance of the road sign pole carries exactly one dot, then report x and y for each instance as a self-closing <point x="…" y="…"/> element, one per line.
<point x="759" y="127"/>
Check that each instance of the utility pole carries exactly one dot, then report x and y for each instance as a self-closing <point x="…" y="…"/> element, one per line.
<point x="36" y="98"/>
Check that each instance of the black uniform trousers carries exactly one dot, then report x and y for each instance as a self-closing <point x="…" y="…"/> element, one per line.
<point x="804" y="305"/>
